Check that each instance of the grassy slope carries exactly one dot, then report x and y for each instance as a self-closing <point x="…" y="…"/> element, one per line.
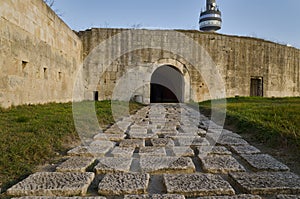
<point x="274" y="121"/>
<point x="33" y="135"/>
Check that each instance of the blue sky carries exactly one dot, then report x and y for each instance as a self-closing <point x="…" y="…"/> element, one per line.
<point x="275" y="20"/>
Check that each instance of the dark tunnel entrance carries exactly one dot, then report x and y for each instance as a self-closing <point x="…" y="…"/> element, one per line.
<point x="167" y="85"/>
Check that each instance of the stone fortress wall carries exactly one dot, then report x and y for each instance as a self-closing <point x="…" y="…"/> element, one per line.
<point x="241" y="61"/>
<point x="40" y="57"/>
<point x="39" y="54"/>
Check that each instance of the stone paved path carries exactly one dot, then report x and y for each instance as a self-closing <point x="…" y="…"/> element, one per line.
<point x="164" y="152"/>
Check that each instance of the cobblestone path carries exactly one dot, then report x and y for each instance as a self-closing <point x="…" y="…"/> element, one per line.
<point x="164" y="152"/>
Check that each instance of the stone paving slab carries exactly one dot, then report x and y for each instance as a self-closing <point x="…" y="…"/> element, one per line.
<point x="288" y="196"/>
<point x="191" y="141"/>
<point x="134" y="131"/>
<point x="264" y="162"/>
<point x="229" y="141"/>
<point x="242" y="196"/>
<point x="103" y="143"/>
<point x="162" y="142"/>
<point x="161" y="165"/>
<point x="152" y="151"/>
<point x="213" y="150"/>
<point x="220" y="164"/>
<point x="88" y="151"/>
<point x="76" y="164"/>
<point x="267" y="183"/>
<point x="122" y="151"/>
<point x="132" y="143"/>
<point x="53" y="183"/>
<point x="155" y="196"/>
<point x="142" y="136"/>
<point x="183" y="151"/>
<point x="198" y="184"/>
<point x="244" y="149"/>
<point x="113" y="165"/>
<point x="124" y="183"/>
<point x="110" y="137"/>
<point x="60" y="197"/>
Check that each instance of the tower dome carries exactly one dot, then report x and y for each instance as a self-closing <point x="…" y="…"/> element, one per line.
<point x="210" y="19"/>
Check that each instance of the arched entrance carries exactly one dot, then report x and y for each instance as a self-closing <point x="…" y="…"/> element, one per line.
<point x="167" y="85"/>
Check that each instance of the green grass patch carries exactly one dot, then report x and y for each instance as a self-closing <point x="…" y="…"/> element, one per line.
<point x="273" y="121"/>
<point x="32" y="135"/>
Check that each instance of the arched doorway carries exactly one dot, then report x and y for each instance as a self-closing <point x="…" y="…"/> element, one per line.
<point x="167" y="85"/>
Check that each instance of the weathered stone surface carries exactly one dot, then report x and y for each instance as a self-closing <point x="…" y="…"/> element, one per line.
<point x="103" y="143"/>
<point x="242" y="196"/>
<point x="124" y="183"/>
<point x="264" y="162"/>
<point x="182" y="151"/>
<point x="75" y="164"/>
<point x="220" y="164"/>
<point x="60" y="197"/>
<point x="110" y="137"/>
<point x="113" y="165"/>
<point x="49" y="184"/>
<point x="213" y="150"/>
<point x="142" y="136"/>
<point x="122" y="151"/>
<point x="159" y="165"/>
<point x="281" y="196"/>
<point x="197" y="184"/>
<point x="247" y="149"/>
<point x="90" y="151"/>
<point x="267" y="182"/>
<point x="228" y="141"/>
<point x="162" y="142"/>
<point x="152" y="151"/>
<point x="132" y="143"/>
<point x="138" y="131"/>
<point x="155" y="196"/>
<point x="191" y="141"/>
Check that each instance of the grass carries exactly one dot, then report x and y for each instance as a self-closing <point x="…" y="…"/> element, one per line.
<point x="272" y="121"/>
<point x="32" y="135"/>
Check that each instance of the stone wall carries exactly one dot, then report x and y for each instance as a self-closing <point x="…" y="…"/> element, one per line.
<point x="39" y="54"/>
<point x="237" y="60"/>
<point x="40" y="58"/>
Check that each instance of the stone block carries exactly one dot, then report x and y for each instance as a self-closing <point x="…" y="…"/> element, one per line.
<point x="160" y="165"/>
<point x="220" y="164"/>
<point x="182" y="151"/>
<point x="110" y="137"/>
<point x="142" y="136"/>
<point x="113" y="165"/>
<point x="155" y="196"/>
<point x="247" y="149"/>
<point x="103" y="143"/>
<point x="162" y="142"/>
<point x="122" y="151"/>
<point x="281" y="196"/>
<point x="191" y="141"/>
<point x="152" y="151"/>
<point x="60" y="197"/>
<point x="242" y="196"/>
<point x="267" y="183"/>
<point x="132" y="143"/>
<point x="229" y="141"/>
<point x="89" y="151"/>
<point x="75" y="164"/>
<point x="198" y="184"/>
<point x="264" y="162"/>
<point x="213" y="150"/>
<point x="123" y="183"/>
<point x="56" y="183"/>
